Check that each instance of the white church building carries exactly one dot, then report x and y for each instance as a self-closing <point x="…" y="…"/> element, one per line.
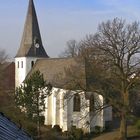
<point x="67" y="105"/>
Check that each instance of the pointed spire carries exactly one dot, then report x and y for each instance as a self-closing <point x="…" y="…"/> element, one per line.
<point x="31" y="44"/>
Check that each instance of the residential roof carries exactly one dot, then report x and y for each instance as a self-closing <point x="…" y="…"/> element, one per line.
<point x="31" y="36"/>
<point x="5" y="65"/>
<point x="10" y="131"/>
<point x="7" y="77"/>
<point x="61" y="72"/>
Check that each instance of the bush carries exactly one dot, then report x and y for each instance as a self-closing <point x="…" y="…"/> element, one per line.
<point x="41" y="119"/>
<point x="56" y="128"/>
<point x="76" y="134"/>
<point x="131" y="119"/>
<point x="31" y="129"/>
<point x="98" y="129"/>
<point x="138" y="124"/>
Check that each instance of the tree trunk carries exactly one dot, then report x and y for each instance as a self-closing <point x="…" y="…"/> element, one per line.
<point x="38" y="128"/>
<point x="123" y="127"/>
<point x="123" y="124"/>
<point x="38" y="118"/>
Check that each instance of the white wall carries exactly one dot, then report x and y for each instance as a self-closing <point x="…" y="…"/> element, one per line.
<point x="59" y="111"/>
<point x="21" y="73"/>
<point x="97" y="117"/>
<point x="81" y="119"/>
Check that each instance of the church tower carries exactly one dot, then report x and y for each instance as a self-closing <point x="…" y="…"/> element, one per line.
<point x="31" y="47"/>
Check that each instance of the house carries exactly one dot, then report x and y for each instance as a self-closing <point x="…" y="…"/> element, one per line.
<point x="10" y="131"/>
<point x="67" y="105"/>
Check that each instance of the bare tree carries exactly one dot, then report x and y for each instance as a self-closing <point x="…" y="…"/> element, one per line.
<point x="71" y="50"/>
<point x="3" y="56"/>
<point x="112" y="62"/>
<point x="117" y="48"/>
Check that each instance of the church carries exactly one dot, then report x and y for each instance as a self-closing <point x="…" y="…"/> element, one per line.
<point x="68" y="105"/>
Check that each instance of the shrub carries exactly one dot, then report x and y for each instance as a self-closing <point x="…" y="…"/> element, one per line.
<point x="98" y="129"/>
<point x="131" y="119"/>
<point x="76" y="133"/>
<point x="56" y="128"/>
<point x="138" y="124"/>
<point x="41" y="119"/>
<point x="31" y="129"/>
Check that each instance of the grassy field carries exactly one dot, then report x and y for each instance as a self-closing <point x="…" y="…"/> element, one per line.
<point x="133" y="134"/>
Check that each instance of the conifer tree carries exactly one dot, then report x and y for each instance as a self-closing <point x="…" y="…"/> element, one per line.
<point x="30" y="97"/>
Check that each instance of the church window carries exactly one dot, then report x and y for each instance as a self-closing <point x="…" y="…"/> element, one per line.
<point x="92" y="103"/>
<point x="76" y="103"/>
<point x="18" y="64"/>
<point x="32" y="63"/>
<point x="21" y="64"/>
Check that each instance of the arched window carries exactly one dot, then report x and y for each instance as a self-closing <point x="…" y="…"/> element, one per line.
<point x="92" y="103"/>
<point x="32" y="63"/>
<point x="76" y="103"/>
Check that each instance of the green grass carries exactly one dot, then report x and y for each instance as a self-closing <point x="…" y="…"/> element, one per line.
<point x="132" y="132"/>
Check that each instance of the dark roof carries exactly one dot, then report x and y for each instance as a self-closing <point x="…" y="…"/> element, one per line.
<point x="10" y="131"/>
<point x="5" y="65"/>
<point x="61" y="72"/>
<point x="7" y="78"/>
<point x="31" y="35"/>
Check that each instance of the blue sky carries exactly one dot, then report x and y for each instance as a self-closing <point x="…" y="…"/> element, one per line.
<point x="61" y="20"/>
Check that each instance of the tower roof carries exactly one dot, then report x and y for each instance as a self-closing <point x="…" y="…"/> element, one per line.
<point x="31" y="43"/>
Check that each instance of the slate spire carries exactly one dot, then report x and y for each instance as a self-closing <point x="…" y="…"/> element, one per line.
<point x="31" y="43"/>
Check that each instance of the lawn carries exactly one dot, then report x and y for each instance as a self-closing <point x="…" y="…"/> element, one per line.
<point x="133" y="134"/>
